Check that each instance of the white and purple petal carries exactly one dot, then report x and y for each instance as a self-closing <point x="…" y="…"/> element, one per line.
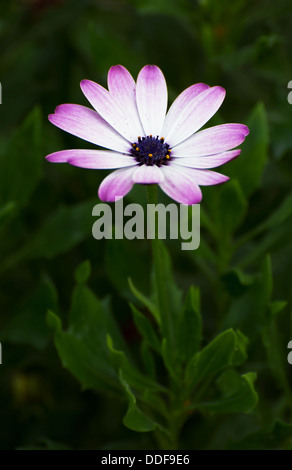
<point x="109" y="109"/>
<point x="86" y="124"/>
<point x="179" y="105"/>
<point x="207" y="161"/>
<point x="123" y="87"/>
<point x="214" y="140"/>
<point x="94" y="159"/>
<point x="151" y="96"/>
<point x="193" y="115"/>
<point x="180" y="186"/>
<point x="148" y="174"/>
<point x="116" y="185"/>
<point x="202" y="177"/>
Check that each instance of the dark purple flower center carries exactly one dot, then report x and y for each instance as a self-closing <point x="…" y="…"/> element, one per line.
<point x="151" y="150"/>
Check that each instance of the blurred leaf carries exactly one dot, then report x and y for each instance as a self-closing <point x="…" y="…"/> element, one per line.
<point x="120" y="265"/>
<point x="7" y="211"/>
<point x="272" y="437"/>
<point x="67" y="227"/>
<point x="22" y="162"/>
<point x="274" y="221"/>
<point x="248" y="168"/>
<point x="276" y="351"/>
<point x="28" y="326"/>
<point x="53" y="321"/>
<point x="46" y="444"/>
<point x="248" y="312"/>
<point x="272" y="241"/>
<point x="171" y="7"/>
<point x="277" y="306"/>
<point x="237" y="281"/>
<point x="280" y="215"/>
<point x="82" y="273"/>
<point x="232" y="207"/>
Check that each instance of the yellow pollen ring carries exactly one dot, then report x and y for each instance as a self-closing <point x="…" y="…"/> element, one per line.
<point x="150" y="155"/>
<point x="137" y="149"/>
<point x="167" y="156"/>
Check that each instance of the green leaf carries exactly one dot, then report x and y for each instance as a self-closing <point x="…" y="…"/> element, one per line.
<point x="93" y="371"/>
<point x="146" y="329"/>
<point x="190" y="326"/>
<point x="240" y="353"/>
<point x="173" y="293"/>
<point x="145" y="301"/>
<point x="248" y="167"/>
<point x="83" y="348"/>
<point x="135" y="419"/>
<point x="131" y="374"/>
<point x="216" y="356"/>
<point x="148" y="360"/>
<point x="92" y="320"/>
<point x="239" y="395"/>
<point x="168" y="297"/>
<point x="167" y="355"/>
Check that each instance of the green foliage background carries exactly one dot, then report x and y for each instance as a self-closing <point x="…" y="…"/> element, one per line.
<point x="242" y="316"/>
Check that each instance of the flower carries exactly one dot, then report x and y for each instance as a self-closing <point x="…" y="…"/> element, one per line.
<point x="146" y="144"/>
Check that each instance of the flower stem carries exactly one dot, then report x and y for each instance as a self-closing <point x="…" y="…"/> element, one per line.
<point x="160" y="273"/>
<point x="167" y="326"/>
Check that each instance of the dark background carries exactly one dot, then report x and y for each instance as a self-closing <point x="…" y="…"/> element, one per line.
<point x="46" y="49"/>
